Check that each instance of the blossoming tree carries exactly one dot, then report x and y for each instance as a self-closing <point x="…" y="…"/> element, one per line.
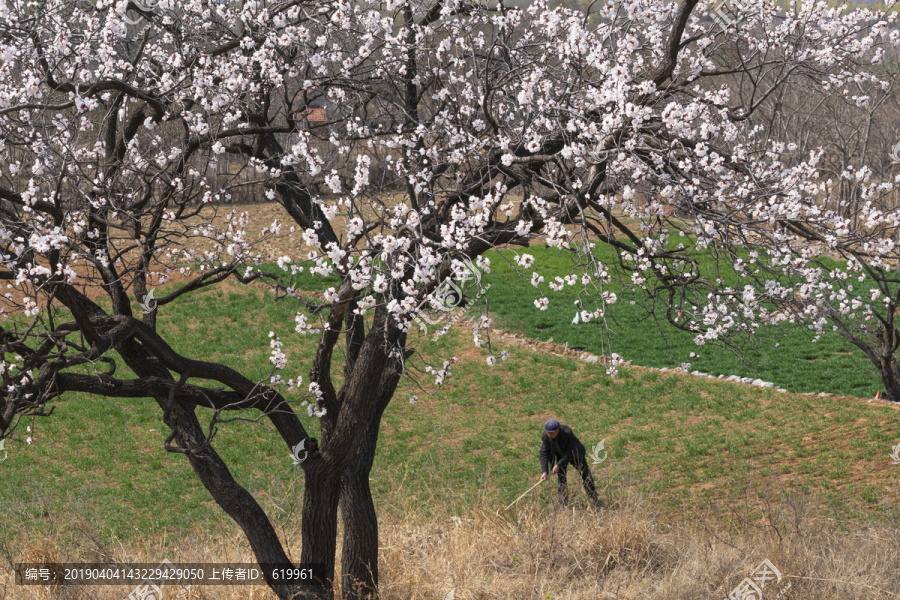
<point x="453" y="128"/>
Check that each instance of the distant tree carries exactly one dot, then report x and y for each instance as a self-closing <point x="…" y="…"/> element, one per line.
<point x="504" y="127"/>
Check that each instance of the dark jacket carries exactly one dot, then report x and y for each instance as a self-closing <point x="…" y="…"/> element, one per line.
<point x="564" y="449"/>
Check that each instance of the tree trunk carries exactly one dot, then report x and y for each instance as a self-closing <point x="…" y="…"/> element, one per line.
<point x="890" y="377"/>
<point x="886" y="362"/>
<point x="212" y="471"/>
<point x="209" y="467"/>
<point x="359" y="557"/>
<point x="344" y="429"/>
<point x="319" y="528"/>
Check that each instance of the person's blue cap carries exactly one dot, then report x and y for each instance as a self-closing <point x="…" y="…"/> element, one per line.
<point x="551" y="425"/>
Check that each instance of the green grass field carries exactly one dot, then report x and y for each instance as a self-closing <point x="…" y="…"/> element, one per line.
<point x="100" y="464"/>
<point x="785" y="355"/>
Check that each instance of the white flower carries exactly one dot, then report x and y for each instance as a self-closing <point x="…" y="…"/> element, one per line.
<point x="277" y="357"/>
<point x="523" y="227"/>
<point x="334" y="183"/>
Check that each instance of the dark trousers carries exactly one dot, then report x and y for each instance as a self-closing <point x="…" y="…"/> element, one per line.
<point x="580" y="463"/>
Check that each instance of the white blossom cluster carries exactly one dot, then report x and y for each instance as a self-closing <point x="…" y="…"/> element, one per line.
<point x="498" y="128"/>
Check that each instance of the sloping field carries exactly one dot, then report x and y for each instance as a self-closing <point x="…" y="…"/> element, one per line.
<point x="703" y="479"/>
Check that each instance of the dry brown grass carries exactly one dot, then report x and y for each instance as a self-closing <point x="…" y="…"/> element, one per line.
<point x="632" y="551"/>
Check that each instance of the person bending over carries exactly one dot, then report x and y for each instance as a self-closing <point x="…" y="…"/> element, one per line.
<point x="560" y="444"/>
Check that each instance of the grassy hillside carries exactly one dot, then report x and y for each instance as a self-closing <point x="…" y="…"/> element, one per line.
<point x="674" y="437"/>
<point x="785" y="355"/>
<point x="777" y="475"/>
